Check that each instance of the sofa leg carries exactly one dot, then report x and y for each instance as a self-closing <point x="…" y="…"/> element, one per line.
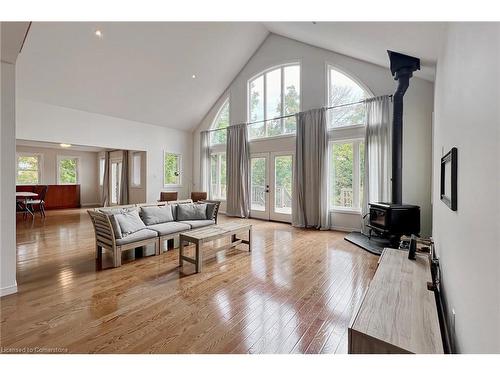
<point x="158" y="247"/>
<point x="117" y="257"/>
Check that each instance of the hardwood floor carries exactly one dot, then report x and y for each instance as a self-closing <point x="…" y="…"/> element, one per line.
<point x="294" y="293"/>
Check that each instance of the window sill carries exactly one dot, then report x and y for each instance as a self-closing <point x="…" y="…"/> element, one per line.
<point x="350" y="211"/>
<point x="172" y="186"/>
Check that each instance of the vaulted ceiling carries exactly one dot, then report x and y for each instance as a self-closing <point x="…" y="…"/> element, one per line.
<point x="143" y="71"/>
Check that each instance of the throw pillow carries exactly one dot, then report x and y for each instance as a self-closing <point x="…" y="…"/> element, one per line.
<point x="156" y="214"/>
<point x="191" y="212"/>
<point x="111" y="212"/>
<point x="129" y="222"/>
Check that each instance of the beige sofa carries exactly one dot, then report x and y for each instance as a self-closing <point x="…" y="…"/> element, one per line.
<point x="121" y="228"/>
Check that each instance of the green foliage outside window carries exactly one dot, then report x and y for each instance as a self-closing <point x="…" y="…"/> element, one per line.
<point x="27" y="170"/>
<point x="222" y="122"/>
<point x="341" y="180"/>
<point x="171" y="168"/>
<point x="68" y="171"/>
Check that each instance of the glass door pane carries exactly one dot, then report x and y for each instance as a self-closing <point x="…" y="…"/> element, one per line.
<point x="283" y="184"/>
<point x="259" y="184"/>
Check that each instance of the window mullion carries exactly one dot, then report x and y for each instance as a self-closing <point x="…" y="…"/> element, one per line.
<point x="265" y="104"/>
<point x="282" y="99"/>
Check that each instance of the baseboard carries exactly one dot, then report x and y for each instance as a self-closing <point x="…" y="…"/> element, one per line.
<point x="91" y="204"/>
<point x="344" y="229"/>
<point x="5" y="291"/>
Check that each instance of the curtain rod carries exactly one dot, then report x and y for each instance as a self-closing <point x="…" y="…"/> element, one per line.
<point x="292" y="115"/>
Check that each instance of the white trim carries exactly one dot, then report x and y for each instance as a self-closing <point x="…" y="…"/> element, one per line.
<point x="60" y="157"/>
<point x="103" y="158"/>
<point x="344" y="229"/>
<point x="91" y="204"/>
<point x="179" y="184"/>
<point x="6" y="290"/>
<point x="349" y="211"/>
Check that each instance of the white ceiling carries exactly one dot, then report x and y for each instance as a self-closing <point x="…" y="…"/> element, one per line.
<point x="139" y="71"/>
<point x="142" y="71"/>
<point x="369" y="41"/>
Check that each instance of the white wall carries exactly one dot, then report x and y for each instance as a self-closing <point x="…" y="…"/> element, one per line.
<point x="467" y="241"/>
<point x="88" y="172"/>
<point x="8" y="283"/>
<point x="417" y="118"/>
<point x="44" y="122"/>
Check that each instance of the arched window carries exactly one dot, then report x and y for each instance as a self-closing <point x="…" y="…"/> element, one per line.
<point x="221" y="122"/>
<point x="344" y="90"/>
<point x="274" y="93"/>
<point x="218" y="139"/>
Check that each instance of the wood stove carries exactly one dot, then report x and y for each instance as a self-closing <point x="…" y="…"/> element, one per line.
<point x="390" y="219"/>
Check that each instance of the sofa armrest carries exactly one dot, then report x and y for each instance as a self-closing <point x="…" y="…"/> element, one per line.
<point x="103" y="228"/>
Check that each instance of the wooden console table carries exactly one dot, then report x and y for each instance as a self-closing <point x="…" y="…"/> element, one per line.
<point x="398" y="313"/>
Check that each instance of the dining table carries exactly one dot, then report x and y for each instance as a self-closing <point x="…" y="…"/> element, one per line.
<point x="22" y="198"/>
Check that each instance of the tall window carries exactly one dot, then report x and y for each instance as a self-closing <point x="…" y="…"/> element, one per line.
<point x="172" y="169"/>
<point x="272" y="94"/>
<point x="67" y="170"/>
<point x="101" y="171"/>
<point x="218" y="175"/>
<point x="28" y="169"/>
<point x="344" y="90"/>
<point x="220" y="122"/>
<point x="346" y="174"/>
<point x="136" y="169"/>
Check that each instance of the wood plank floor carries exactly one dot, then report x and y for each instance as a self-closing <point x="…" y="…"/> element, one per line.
<point x="295" y="293"/>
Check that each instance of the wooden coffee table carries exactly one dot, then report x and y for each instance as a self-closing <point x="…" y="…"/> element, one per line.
<point x="212" y="233"/>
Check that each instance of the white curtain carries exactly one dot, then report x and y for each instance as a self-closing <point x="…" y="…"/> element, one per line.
<point x="205" y="161"/>
<point x="377" y="187"/>
<point x="124" y="183"/>
<point x="310" y="180"/>
<point x="237" y="171"/>
<point x="105" y="182"/>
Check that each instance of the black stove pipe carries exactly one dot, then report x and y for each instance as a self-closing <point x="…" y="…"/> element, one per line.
<point x="402" y="68"/>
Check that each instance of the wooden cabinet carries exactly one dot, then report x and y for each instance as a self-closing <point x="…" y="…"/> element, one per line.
<point x="398" y="313"/>
<point x="58" y="196"/>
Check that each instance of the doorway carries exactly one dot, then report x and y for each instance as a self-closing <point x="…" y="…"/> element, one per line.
<point x="271" y="178"/>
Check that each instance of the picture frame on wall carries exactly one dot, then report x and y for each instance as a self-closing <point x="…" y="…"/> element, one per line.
<point x="449" y="178"/>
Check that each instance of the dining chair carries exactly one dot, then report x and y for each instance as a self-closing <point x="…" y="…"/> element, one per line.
<point x="41" y="190"/>
<point x="166" y="196"/>
<point x="198" y="196"/>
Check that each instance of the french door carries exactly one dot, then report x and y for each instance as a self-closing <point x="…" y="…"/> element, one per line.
<point x="271" y="177"/>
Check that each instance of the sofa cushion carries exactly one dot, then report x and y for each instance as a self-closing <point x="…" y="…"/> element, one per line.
<point x="198" y="223"/>
<point x="111" y="212"/>
<point x="129" y="222"/>
<point x="169" y="228"/>
<point x="156" y="214"/>
<point x="176" y="204"/>
<point x="140" y="235"/>
<point x="211" y="207"/>
<point x="191" y="212"/>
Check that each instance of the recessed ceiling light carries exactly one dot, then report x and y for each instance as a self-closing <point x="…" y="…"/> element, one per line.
<point x="193" y="76"/>
<point x="65" y="145"/>
<point x="98" y="33"/>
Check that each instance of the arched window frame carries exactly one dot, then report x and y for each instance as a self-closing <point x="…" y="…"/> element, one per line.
<point x="352" y="137"/>
<point x="216" y="121"/>
<point x="217" y="177"/>
<point x="263" y="73"/>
